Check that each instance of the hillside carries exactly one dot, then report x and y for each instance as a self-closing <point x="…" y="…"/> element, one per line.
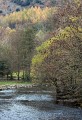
<point x="7" y="7"/>
<point x="10" y="6"/>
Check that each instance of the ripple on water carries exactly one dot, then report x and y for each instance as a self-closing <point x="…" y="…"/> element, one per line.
<point x="34" y="97"/>
<point x="35" y="106"/>
<point x="19" y="112"/>
<point x="8" y="91"/>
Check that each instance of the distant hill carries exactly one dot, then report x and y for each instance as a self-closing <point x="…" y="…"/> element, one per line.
<point x="28" y="2"/>
<point x="9" y="6"/>
<point x="42" y="3"/>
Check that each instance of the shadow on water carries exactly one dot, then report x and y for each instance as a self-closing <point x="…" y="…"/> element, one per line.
<point x="38" y="101"/>
<point x="34" y="104"/>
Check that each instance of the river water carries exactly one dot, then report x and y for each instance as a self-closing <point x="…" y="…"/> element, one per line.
<point x="24" y="104"/>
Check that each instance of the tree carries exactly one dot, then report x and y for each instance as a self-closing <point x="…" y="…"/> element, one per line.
<point x="22" y="47"/>
<point x="58" y="60"/>
<point x="28" y="46"/>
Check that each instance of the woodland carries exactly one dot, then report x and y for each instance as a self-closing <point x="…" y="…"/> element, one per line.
<point x="44" y="45"/>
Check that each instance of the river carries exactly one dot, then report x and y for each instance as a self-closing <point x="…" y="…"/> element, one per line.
<point x="24" y="104"/>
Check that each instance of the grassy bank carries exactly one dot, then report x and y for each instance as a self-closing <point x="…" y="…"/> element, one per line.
<point x="14" y="83"/>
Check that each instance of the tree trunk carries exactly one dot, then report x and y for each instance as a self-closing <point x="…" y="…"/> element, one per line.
<point x="7" y="76"/>
<point x="57" y="88"/>
<point x="18" y="75"/>
<point x="23" y="77"/>
<point x="11" y="78"/>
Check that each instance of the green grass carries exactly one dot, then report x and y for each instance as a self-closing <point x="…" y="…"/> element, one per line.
<point x="13" y="83"/>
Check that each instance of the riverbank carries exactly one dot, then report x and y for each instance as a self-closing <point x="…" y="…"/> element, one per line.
<point x="70" y="102"/>
<point x="4" y="85"/>
<point x="6" y="82"/>
<point x="14" y="84"/>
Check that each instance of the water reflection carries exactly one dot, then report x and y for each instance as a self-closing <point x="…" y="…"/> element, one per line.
<point x="8" y="91"/>
<point x="23" y="104"/>
<point x="34" y="97"/>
